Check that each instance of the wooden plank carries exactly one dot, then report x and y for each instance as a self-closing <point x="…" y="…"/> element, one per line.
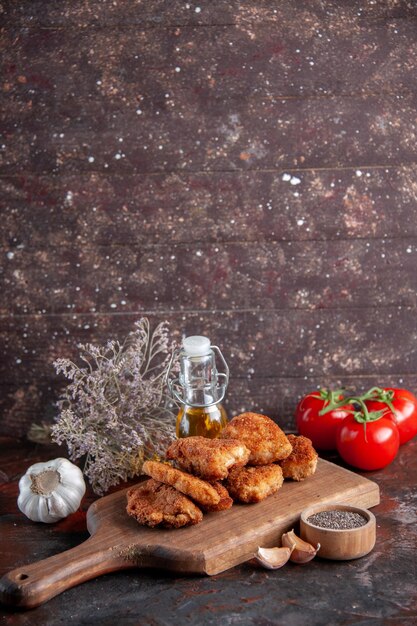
<point x="22" y="405"/>
<point x="221" y="541"/>
<point x="75" y="93"/>
<point x="186" y="207"/>
<point x="280" y="343"/>
<point x="253" y="133"/>
<point x="285" y="275"/>
<point x="68" y="67"/>
<point x="83" y="13"/>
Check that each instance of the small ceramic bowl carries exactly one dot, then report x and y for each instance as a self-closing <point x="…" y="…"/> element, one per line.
<point x="339" y="545"/>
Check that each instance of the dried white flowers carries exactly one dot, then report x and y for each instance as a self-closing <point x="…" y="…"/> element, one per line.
<point x="114" y="411"/>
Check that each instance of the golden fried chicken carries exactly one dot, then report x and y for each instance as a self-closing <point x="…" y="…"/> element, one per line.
<point x="208" y="458"/>
<point x="199" y="490"/>
<point x="302" y="461"/>
<point x="266" y="441"/>
<point x="154" y="504"/>
<point x="253" y="484"/>
<point x="225" y="501"/>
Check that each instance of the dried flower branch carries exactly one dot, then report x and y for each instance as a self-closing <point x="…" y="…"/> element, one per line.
<point x="115" y="410"/>
<point x="40" y="433"/>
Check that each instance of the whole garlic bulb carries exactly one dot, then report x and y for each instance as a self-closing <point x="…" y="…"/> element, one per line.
<point x="50" y="491"/>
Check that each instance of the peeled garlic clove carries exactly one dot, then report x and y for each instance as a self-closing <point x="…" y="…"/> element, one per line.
<point x="273" y="558"/>
<point x="302" y="552"/>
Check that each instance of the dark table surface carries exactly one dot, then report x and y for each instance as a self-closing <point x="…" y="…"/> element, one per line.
<point x="379" y="588"/>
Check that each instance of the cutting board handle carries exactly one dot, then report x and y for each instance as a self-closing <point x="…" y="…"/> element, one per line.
<point x="29" y="586"/>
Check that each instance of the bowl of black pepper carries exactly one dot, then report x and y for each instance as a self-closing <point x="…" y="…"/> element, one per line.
<point x="343" y="531"/>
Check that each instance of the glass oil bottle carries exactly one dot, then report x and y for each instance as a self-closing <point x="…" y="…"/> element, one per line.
<point x="199" y="389"/>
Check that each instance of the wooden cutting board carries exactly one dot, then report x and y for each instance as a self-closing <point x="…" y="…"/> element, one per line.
<point x="221" y="541"/>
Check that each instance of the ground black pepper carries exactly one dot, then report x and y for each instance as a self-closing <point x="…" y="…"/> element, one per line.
<point x="337" y="519"/>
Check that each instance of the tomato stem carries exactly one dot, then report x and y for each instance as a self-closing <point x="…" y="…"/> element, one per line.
<point x="336" y="400"/>
<point x="384" y="396"/>
<point x="333" y="399"/>
<point x="365" y="412"/>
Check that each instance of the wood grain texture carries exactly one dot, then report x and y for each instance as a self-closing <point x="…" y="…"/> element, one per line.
<point x="218" y="276"/>
<point x="184" y="207"/>
<point x="301" y="344"/>
<point x="246" y="170"/>
<point x="215" y="13"/>
<point x="340" y="131"/>
<point x="221" y="541"/>
<point x="296" y="60"/>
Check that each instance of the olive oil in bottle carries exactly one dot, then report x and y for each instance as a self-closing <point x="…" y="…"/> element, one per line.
<point x="200" y="389"/>
<point x="203" y="421"/>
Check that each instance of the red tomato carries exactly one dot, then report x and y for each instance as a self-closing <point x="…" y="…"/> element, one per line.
<point x="321" y="429"/>
<point x="377" y="450"/>
<point x="405" y="410"/>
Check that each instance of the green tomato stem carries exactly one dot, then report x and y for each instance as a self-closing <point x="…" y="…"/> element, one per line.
<point x="365" y="415"/>
<point x="331" y="398"/>
<point x="335" y="400"/>
<point x="386" y="397"/>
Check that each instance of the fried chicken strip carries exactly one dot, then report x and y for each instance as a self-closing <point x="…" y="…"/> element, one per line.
<point x="264" y="438"/>
<point x="210" y="459"/>
<point x="199" y="490"/>
<point x="154" y="504"/>
<point x="302" y="461"/>
<point x="253" y="484"/>
<point x="225" y="501"/>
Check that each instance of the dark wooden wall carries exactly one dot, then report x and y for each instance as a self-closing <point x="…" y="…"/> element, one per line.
<point x="245" y="169"/>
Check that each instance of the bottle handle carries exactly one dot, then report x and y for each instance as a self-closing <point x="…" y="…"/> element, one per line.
<point x="172" y="383"/>
<point x="226" y="367"/>
<point x="175" y="382"/>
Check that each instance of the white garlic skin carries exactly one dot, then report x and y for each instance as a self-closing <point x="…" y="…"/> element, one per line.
<point x="302" y="552"/>
<point x="273" y="558"/>
<point x="61" y="501"/>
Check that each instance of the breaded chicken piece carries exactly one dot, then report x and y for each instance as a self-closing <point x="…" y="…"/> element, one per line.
<point x="207" y="458"/>
<point x="302" y="461"/>
<point x="253" y="484"/>
<point x="225" y="501"/>
<point x="154" y="504"/>
<point x="266" y="441"/>
<point x="199" y="490"/>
